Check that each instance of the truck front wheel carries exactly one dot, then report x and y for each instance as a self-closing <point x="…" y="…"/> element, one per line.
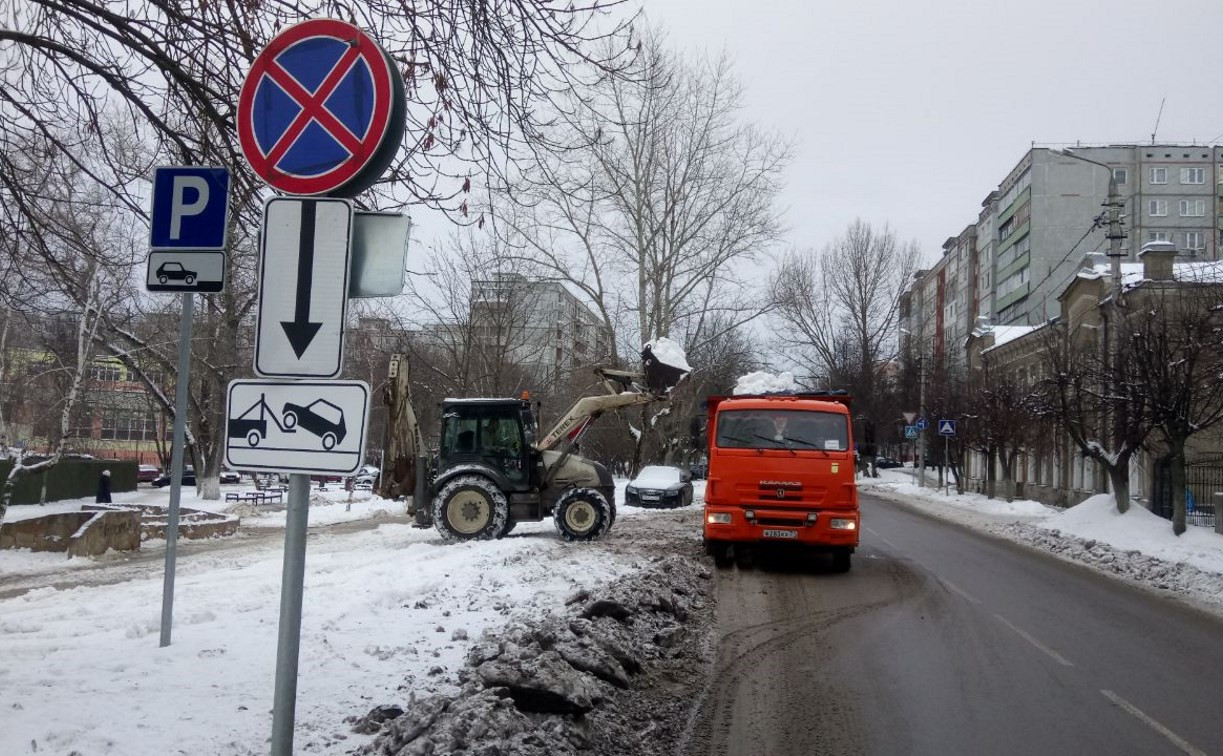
<point x="841" y="560"/>
<point x="582" y="514"/>
<point x="720" y="551"/>
<point x="470" y="508"/>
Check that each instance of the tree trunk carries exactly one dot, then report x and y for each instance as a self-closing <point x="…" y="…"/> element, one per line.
<point x="1176" y="477"/>
<point x="1119" y="478"/>
<point x="991" y="473"/>
<point x="1008" y="475"/>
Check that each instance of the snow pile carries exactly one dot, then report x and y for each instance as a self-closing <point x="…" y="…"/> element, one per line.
<point x="761" y="382"/>
<point x="1140" y="530"/>
<point x="669" y="352"/>
<point x="1171" y="574"/>
<point x="572" y="682"/>
<point x="370" y="629"/>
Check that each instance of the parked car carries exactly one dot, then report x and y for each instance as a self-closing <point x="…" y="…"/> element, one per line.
<point x="231" y="476"/>
<point x="659" y="486"/>
<point x="147" y="473"/>
<point x="887" y="463"/>
<point x="188" y="479"/>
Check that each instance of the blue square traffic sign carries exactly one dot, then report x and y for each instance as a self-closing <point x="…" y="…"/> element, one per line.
<point x="190" y="205"/>
<point x="946" y="427"/>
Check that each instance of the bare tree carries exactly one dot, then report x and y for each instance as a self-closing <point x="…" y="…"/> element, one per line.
<point x="664" y="197"/>
<point x="1098" y="399"/>
<point x="1176" y="351"/>
<point x="838" y="309"/>
<point x="482" y="324"/>
<point x="1002" y="422"/>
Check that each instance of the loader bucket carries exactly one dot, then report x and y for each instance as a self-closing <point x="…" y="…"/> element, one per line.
<point x="660" y="377"/>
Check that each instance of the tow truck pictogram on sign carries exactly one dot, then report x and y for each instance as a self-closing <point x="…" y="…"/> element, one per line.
<point x="322" y="110"/>
<point x="296" y="426"/>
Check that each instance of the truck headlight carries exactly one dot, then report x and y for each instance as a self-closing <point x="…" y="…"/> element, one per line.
<point x="838" y="523"/>
<point x="720" y="518"/>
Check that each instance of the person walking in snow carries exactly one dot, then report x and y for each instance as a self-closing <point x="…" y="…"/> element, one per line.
<point x="103" y="496"/>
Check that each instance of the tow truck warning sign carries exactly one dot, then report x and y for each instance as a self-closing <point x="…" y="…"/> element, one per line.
<point x="296" y="426"/>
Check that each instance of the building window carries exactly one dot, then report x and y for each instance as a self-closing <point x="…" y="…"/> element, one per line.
<point x="1193" y="176"/>
<point x="1192" y="208"/>
<point x="1194" y="240"/>
<point x="1158" y="208"/>
<point x="1121" y="176"/>
<point x="106" y="372"/>
<point x="1159" y="175"/>
<point x="1160" y="236"/>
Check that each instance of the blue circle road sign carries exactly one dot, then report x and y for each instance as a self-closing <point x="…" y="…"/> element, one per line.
<point x="321" y="110"/>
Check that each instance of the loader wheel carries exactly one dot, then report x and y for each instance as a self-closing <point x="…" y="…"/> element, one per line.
<point x="509" y="525"/>
<point x="470" y="508"/>
<point x="582" y="514"/>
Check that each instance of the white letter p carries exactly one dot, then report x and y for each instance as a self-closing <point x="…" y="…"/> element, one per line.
<point x="180" y="209"/>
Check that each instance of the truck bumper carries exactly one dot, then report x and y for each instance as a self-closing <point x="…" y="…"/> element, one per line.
<point x="825" y="528"/>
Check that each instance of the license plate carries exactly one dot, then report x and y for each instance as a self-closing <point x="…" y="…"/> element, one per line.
<point x="650" y="497"/>
<point x="781" y="534"/>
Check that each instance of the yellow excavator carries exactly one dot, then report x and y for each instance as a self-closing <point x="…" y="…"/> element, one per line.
<point x="492" y="470"/>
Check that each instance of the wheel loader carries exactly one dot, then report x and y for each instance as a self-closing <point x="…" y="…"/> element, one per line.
<point x="492" y="470"/>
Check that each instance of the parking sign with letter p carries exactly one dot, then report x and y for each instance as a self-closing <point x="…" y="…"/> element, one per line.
<point x="190" y="208"/>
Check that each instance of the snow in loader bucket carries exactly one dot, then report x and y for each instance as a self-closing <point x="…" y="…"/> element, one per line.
<point x="664" y="364"/>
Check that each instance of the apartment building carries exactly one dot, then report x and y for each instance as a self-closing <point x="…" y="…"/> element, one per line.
<point x="544" y="325"/>
<point x="1035" y="228"/>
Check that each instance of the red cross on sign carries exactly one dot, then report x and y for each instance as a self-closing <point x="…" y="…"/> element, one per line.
<point x="321" y="110"/>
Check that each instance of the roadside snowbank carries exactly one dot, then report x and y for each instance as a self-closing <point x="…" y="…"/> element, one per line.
<point x="383" y="610"/>
<point x="1138" y="546"/>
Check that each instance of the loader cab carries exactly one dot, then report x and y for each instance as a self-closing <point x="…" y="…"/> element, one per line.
<point x="495" y="433"/>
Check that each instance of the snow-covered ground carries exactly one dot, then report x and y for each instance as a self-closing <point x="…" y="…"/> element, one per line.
<point x="1138" y="545"/>
<point x="388" y="610"/>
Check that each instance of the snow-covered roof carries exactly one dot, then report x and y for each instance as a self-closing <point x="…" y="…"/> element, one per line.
<point x="1132" y="274"/>
<point x="1003" y="334"/>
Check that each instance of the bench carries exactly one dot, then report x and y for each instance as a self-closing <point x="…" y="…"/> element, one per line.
<point x="255" y="497"/>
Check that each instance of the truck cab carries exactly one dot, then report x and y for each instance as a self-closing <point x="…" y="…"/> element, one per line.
<point x="781" y="472"/>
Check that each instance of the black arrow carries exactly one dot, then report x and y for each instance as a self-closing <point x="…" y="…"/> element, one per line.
<point x="300" y="330"/>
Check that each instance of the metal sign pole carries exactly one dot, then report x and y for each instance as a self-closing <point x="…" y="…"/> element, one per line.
<point x="288" y="645"/>
<point x="947" y="461"/>
<point x="182" y="381"/>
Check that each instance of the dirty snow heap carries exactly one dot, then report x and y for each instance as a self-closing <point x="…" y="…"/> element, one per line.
<point x="761" y="382"/>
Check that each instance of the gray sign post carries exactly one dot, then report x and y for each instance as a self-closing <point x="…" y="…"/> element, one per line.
<point x="183" y="382"/>
<point x="188" y="222"/>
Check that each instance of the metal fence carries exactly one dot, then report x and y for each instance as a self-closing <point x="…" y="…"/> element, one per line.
<point x="1202" y="482"/>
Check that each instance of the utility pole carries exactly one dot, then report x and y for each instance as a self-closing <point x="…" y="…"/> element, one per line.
<point x="1112" y="323"/>
<point x="921" y="414"/>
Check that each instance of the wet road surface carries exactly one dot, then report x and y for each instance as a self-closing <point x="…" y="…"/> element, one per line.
<point x="941" y="640"/>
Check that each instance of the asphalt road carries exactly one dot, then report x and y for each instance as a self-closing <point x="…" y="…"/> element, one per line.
<point x="944" y="641"/>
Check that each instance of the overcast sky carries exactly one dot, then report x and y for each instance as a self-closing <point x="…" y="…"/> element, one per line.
<point x="911" y="111"/>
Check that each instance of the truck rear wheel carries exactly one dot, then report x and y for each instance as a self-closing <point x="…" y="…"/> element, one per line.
<point x="582" y="514"/>
<point x="470" y="508"/>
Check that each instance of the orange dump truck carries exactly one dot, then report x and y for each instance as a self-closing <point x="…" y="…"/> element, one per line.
<point x="781" y="471"/>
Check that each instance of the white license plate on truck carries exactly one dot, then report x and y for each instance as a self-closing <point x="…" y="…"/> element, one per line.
<point x="781" y="534"/>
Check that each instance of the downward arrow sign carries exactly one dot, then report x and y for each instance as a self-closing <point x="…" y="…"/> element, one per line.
<point x="300" y="331"/>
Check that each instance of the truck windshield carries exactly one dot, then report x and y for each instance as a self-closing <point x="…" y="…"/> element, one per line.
<point x="783" y="429"/>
